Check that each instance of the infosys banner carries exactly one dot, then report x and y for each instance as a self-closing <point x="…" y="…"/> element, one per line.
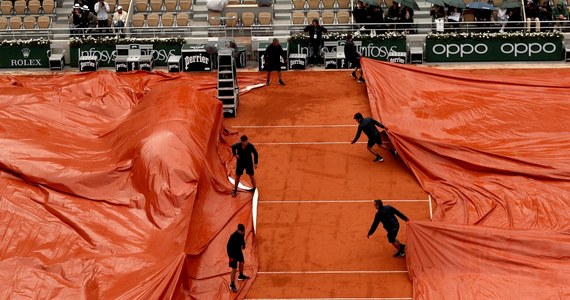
<point x="106" y="54"/>
<point x="376" y="49"/>
<point x="24" y="57"/>
<point x="494" y="50"/>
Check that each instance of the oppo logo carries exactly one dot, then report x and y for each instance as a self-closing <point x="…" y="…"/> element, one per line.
<point x="516" y="49"/>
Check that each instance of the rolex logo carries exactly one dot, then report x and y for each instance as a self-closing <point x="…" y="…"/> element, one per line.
<point x="26" y="52"/>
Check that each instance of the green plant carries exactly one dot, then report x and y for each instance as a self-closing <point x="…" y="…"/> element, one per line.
<point x="302" y="38"/>
<point x="504" y="36"/>
<point x="111" y="41"/>
<point x="41" y="42"/>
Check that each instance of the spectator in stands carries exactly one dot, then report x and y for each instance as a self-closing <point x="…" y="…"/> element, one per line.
<point x="88" y="20"/>
<point x="359" y="14"/>
<point x="437" y="14"/>
<point x="545" y="16"/>
<point x="315" y="31"/>
<point x="407" y="17"/>
<point x="503" y="18"/>
<point x="119" y="20"/>
<point x="531" y="12"/>
<point x="514" y="17"/>
<point x="483" y="17"/>
<point x="102" y="10"/>
<point x="560" y="15"/>
<point x="353" y="56"/>
<point x="75" y="19"/>
<point x="454" y="16"/>
<point x="376" y="17"/>
<point x="273" y="54"/>
<point x="394" y="14"/>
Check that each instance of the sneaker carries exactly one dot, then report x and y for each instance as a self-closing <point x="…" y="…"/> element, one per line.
<point x="361" y="80"/>
<point x="281" y="82"/>
<point x="234" y="194"/>
<point x="403" y="248"/>
<point x="378" y="159"/>
<point x="394" y="153"/>
<point x="267" y="82"/>
<point x="353" y="74"/>
<point x="233" y="288"/>
<point x="243" y="277"/>
<point x="399" y="254"/>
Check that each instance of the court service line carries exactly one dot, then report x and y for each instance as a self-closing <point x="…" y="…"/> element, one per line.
<point x="336" y="201"/>
<point x="305" y="143"/>
<point x="329" y="272"/>
<point x="294" y="126"/>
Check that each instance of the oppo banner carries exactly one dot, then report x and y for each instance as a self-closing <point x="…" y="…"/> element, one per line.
<point x="371" y="49"/>
<point x="494" y="50"/>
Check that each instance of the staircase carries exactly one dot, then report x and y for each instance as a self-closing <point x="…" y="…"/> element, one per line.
<point x="282" y="17"/>
<point x="422" y="17"/>
<point x="199" y="24"/>
<point x="61" y="23"/>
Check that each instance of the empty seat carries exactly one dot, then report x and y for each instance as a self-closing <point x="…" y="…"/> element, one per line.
<point x="328" y="17"/>
<point x="249" y="1"/>
<point x="156" y="5"/>
<point x="233" y="2"/>
<point x="343" y="4"/>
<point x="182" y="19"/>
<point x="29" y="22"/>
<point x="6" y="8"/>
<point x="214" y="18"/>
<point x="125" y="4"/>
<point x="44" y="22"/>
<point x="168" y="19"/>
<point x="152" y="20"/>
<point x="34" y="7"/>
<point x="231" y="19"/>
<point x="298" y="18"/>
<point x="264" y="18"/>
<point x="342" y="17"/>
<point x="314" y="4"/>
<point x="20" y="7"/>
<point x="185" y="5"/>
<point x="247" y="19"/>
<point x="312" y="15"/>
<point x="328" y="4"/>
<point x="3" y="23"/>
<point x="141" y="5"/>
<point x="137" y="20"/>
<point x="15" y="23"/>
<point x="48" y="7"/>
<point x="170" y="5"/>
<point x="298" y="4"/>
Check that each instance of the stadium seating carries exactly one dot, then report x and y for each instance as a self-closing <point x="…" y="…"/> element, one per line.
<point x="15" y="22"/>
<point x="247" y="19"/>
<point x="232" y="19"/>
<point x="182" y="19"/>
<point x="29" y="22"/>
<point x="327" y="17"/>
<point x="168" y="19"/>
<point x="298" y="18"/>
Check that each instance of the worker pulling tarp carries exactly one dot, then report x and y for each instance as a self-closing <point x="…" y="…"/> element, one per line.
<point x="116" y="186"/>
<point x="492" y="150"/>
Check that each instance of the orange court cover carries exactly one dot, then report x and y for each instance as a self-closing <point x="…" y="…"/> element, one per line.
<point x="116" y="187"/>
<point x="492" y="148"/>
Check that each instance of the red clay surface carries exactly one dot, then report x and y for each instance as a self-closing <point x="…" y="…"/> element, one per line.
<point x="316" y="192"/>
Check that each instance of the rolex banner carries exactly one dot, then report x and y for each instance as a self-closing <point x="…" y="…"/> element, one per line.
<point x="24" y="57"/>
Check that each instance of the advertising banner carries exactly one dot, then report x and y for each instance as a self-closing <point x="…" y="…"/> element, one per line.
<point x="107" y="53"/>
<point x="376" y="49"/>
<point x="24" y="57"/>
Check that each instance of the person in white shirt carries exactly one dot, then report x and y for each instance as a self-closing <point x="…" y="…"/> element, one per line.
<point x="119" y="20"/>
<point x="102" y="10"/>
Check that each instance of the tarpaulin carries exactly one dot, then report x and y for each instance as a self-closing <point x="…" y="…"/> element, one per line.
<point x="491" y="148"/>
<point x="116" y="187"/>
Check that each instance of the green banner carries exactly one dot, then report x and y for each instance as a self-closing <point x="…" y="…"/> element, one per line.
<point x="24" y="57"/>
<point x="472" y="50"/>
<point x="107" y="53"/>
<point x="377" y="49"/>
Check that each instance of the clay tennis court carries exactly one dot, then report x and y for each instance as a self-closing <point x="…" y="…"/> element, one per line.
<point x="316" y="191"/>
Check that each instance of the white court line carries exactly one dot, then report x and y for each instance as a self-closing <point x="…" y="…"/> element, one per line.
<point x="306" y="143"/>
<point x="293" y="126"/>
<point x="336" y="201"/>
<point x="328" y="298"/>
<point x="330" y="272"/>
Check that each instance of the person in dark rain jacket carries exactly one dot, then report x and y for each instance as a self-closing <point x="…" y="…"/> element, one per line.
<point x="368" y="125"/>
<point x="273" y="54"/>
<point x="386" y="215"/>
<point x="234" y="249"/>
<point x="244" y="151"/>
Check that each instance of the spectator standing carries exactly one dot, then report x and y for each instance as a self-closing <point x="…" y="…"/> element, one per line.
<point x="407" y="17"/>
<point x="88" y="19"/>
<point x="273" y="54"/>
<point x="75" y="19"/>
<point x="394" y="14"/>
<point x="234" y="248"/>
<point x="545" y="16"/>
<point x="454" y="16"/>
<point x="531" y="11"/>
<point x="438" y="16"/>
<point x="359" y="14"/>
<point x="102" y="10"/>
<point x="315" y="31"/>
